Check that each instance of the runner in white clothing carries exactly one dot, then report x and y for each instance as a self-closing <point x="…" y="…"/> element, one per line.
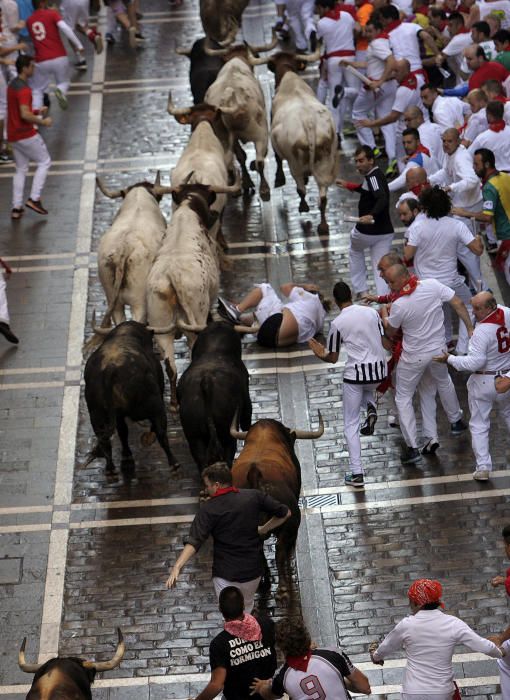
<point x="428" y="637"/>
<point x="477" y="122"/>
<point x="417" y="156"/>
<point x="418" y="312"/>
<point x="488" y="357"/>
<point x="360" y="330"/>
<point x="446" y="111"/>
<point x="430" y="133"/>
<point x="5" y="328"/>
<point x="496" y="137"/>
<point x="452" y="52"/>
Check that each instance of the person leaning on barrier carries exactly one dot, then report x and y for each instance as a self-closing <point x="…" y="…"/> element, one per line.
<point x="319" y="673"/>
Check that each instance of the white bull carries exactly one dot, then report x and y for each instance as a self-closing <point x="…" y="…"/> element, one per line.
<point x="128" y="249"/>
<point x="302" y="130"/>
<point x="184" y="280"/>
<point x="237" y="92"/>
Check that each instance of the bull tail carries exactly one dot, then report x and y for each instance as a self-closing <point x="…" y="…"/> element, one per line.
<point x="254" y="477"/>
<point x="214" y="449"/>
<point x="310" y="137"/>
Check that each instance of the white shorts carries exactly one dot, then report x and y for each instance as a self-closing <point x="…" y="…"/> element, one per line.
<point x="269" y="304"/>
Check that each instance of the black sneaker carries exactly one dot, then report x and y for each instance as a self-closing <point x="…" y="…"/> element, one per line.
<point x="7" y="333"/>
<point x="355" y="480"/>
<point x="368" y="426"/>
<point x="339" y="93"/>
<point x="110" y="39"/>
<point x="36" y="206"/>
<point x="430" y="447"/>
<point x="491" y="247"/>
<point x="313" y="41"/>
<point x="410" y="455"/>
<point x="458" y="427"/>
<point x="80" y="65"/>
<point x="228" y="310"/>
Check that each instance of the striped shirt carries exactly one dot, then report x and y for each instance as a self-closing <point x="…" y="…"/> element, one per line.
<point x="360" y="329"/>
<point x="323" y="678"/>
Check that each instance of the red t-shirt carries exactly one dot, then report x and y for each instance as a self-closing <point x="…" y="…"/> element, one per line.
<point x="487" y="71"/>
<point x="18" y="93"/>
<point x="42" y="26"/>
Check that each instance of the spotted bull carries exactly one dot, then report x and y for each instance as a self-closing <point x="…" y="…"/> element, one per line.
<point x="67" y="678"/>
<point x="212" y="390"/>
<point x="124" y="379"/>
<point x="302" y="130"/>
<point x="268" y="462"/>
<point x="127" y="250"/>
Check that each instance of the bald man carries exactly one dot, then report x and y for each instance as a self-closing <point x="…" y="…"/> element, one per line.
<point x="488" y="357"/>
<point x="477" y="122"/>
<point x="460" y="180"/>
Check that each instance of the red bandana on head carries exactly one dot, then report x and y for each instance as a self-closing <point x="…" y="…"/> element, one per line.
<point x="497" y="125"/>
<point x="299" y="663"/>
<point x="425" y="591"/>
<point x="248" y="628"/>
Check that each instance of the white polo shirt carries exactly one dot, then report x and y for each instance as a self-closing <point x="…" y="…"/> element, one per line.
<point x="308" y="311"/>
<point x="429" y="639"/>
<point x="489" y="346"/>
<point x="430" y="137"/>
<point x="377" y="53"/>
<point x="404" y="43"/>
<point x="360" y="330"/>
<point x="338" y="34"/>
<point x="436" y="242"/>
<point x="449" y="112"/>
<point x="477" y="123"/>
<point x="458" y="173"/>
<point x="421" y="317"/>
<point x="496" y="141"/>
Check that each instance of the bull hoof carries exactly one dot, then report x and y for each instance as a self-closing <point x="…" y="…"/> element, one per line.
<point x="253" y="165"/>
<point x="174" y="408"/>
<point x="323" y="229"/>
<point x="303" y="207"/>
<point x="279" y="181"/>
<point x="282" y="596"/>
<point x="265" y="194"/>
<point x="146" y="439"/>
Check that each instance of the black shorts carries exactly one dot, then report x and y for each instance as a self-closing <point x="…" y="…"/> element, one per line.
<point x="269" y="330"/>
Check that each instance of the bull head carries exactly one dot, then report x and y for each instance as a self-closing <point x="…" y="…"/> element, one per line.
<point x="97" y="665"/>
<point x="299" y="434"/>
<point x="304" y="58"/>
<point x="97" y="330"/>
<point x="254" y="49"/>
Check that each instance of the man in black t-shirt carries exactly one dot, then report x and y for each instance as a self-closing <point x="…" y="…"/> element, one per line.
<point x="242" y="652"/>
<point x="374" y="229"/>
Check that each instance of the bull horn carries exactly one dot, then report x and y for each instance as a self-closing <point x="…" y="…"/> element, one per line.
<point x="114" y="661"/>
<point x="215" y="52"/>
<point x="265" y="47"/>
<point x="96" y="329"/>
<point x="231" y="36"/>
<point x="162" y="189"/>
<point x="254" y="61"/>
<point x="227" y="189"/>
<point x="112" y="194"/>
<point x="309" y="58"/>
<point x="310" y="434"/>
<point x="157" y="181"/>
<point x="27" y="668"/>
<point x="190" y="328"/>
<point x="183" y="52"/>
<point x="237" y="434"/>
<point x="247" y="329"/>
<point x="176" y="111"/>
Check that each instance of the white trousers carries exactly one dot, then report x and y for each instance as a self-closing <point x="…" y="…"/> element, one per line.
<point x="4" y="311"/>
<point x="428" y="377"/>
<point x="471" y="261"/>
<point x="301" y="22"/>
<point x="75" y="12"/>
<point x="378" y="246"/>
<point x="355" y="398"/>
<point x="481" y="398"/>
<point x="3" y="98"/>
<point x="379" y="103"/>
<point x="462" y="291"/>
<point x="32" y="149"/>
<point x="338" y="75"/>
<point x="504" y="672"/>
<point x="247" y="588"/>
<point x="56" y="69"/>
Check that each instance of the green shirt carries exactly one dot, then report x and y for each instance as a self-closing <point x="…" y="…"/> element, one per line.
<point x="496" y="203"/>
<point x="504" y="58"/>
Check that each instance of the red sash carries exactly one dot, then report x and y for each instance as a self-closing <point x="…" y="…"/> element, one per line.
<point x="409" y="82"/>
<point x="339" y="53"/>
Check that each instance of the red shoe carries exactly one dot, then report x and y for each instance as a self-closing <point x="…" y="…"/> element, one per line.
<point x="36" y="206"/>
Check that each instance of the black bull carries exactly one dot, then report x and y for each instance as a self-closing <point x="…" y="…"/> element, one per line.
<point x="210" y="392"/>
<point x="124" y="379"/>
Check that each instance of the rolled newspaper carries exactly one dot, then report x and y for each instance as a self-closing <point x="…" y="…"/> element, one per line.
<point x="358" y="74"/>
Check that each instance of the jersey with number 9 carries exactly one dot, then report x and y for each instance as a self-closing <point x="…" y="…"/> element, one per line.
<point x="43" y="29"/>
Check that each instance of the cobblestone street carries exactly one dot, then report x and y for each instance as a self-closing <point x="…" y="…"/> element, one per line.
<point x="80" y="554"/>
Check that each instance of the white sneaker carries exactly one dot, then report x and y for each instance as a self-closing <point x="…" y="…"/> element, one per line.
<point x="392" y="421"/>
<point x="481" y="475"/>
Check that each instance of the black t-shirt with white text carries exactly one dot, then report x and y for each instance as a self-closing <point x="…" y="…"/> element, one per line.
<point x="244" y="660"/>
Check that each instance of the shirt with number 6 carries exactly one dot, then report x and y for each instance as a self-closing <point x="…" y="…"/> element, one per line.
<point x="489" y="346"/>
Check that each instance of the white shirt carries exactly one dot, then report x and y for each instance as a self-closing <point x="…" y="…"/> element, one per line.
<point x="360" y="329"/>
<point x="429" y="639"/>
<point x="489" y="48"/>
<point x="404" y="98"/>
<point x="503" y="5"/>
<point x="436" y="242"/>
<point x="430" y="137"/>
<point x="338" y="34"/>
<point x="459" y="175"/>
<point x="489" y="346"/>
<point x="497" y="142"/>
<point x="308" y="311"/>
<point x="404" y="43"/>
<point x="421" y="317"/>
<point x="453" y="50"/>
<point x="477" y="123"/>
<point x="377" y="53"/>
<point x="449" y="112"/>
<point x="430" y="165"/>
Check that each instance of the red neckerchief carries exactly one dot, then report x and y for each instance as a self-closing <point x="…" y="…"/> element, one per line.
<point x="497" y="317"/>
<point x="498" y="125"/>
<point x="462" y="8"/>
<point x="423" y="10"/>
<point x="420" y="149"/>
<point x="392" y="25"/>
<point x="409" y="82"/>
<point x="463" y="30"/>
<point x="418" y="189"/>
<point x="5" y="266"/>
<point x="227" y="489"/>
<point x="334" y="13"/>
<point x="409" y="287"/>
<point x="299" y="663"/>
<point x="382" y="35"/>
<point x="500" y="98"/>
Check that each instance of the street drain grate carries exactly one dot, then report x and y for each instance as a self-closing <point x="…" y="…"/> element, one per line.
<point x="330" y="499"/>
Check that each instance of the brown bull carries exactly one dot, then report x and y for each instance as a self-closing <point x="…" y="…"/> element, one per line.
<point x="268" y="462"/>
<point x="66" y="678"/>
